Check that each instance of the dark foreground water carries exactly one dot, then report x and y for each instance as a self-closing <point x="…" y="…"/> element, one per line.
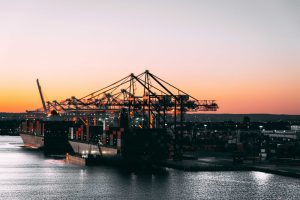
<point x="27" y="174"/>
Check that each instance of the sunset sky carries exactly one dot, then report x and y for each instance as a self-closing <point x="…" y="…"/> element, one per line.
<point x="244" y="54"/>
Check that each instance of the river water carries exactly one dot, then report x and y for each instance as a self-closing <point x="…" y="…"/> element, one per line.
<point x="28" y="174"/>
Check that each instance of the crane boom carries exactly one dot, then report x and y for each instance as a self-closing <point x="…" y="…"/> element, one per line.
<point x="41" y="95"/>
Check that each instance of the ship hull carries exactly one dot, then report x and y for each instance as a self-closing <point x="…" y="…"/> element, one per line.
<point x="32" y="141"/>
<point x="83" y="148"/>
<point x="51" y="136"/>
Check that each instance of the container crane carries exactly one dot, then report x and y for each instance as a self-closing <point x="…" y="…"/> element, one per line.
<point x="145" y="99"/>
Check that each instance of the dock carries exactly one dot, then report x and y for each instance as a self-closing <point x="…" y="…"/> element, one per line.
<point x="209" y="163"/>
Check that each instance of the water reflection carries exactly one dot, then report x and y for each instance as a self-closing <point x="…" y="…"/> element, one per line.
<point x="261" y="178"/>
<point x="28" y="174"/>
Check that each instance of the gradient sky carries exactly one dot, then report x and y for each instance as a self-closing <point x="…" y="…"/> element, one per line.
<point x="244" y="54"/>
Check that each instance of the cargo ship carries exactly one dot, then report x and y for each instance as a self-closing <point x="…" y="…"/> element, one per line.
<point x="133" y="122"/>
<point x="49" y="134"/>
<point x="131" y="144"/>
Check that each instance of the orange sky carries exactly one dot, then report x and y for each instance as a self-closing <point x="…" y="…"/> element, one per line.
<point x="246" y="55"/>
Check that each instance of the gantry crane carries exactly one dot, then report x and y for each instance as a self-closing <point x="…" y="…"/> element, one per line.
<point x="145" y="99"/>
<point x="135" y="92"/>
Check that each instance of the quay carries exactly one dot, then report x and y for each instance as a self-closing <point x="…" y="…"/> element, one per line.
<point x="212" y="163"/>
<point x="225" y="163"/>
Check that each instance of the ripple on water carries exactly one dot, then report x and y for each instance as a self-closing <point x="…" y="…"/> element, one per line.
<point x="30" y="175"/>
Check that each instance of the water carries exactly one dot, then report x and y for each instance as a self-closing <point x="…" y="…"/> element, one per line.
<point x="27" y="174"/>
